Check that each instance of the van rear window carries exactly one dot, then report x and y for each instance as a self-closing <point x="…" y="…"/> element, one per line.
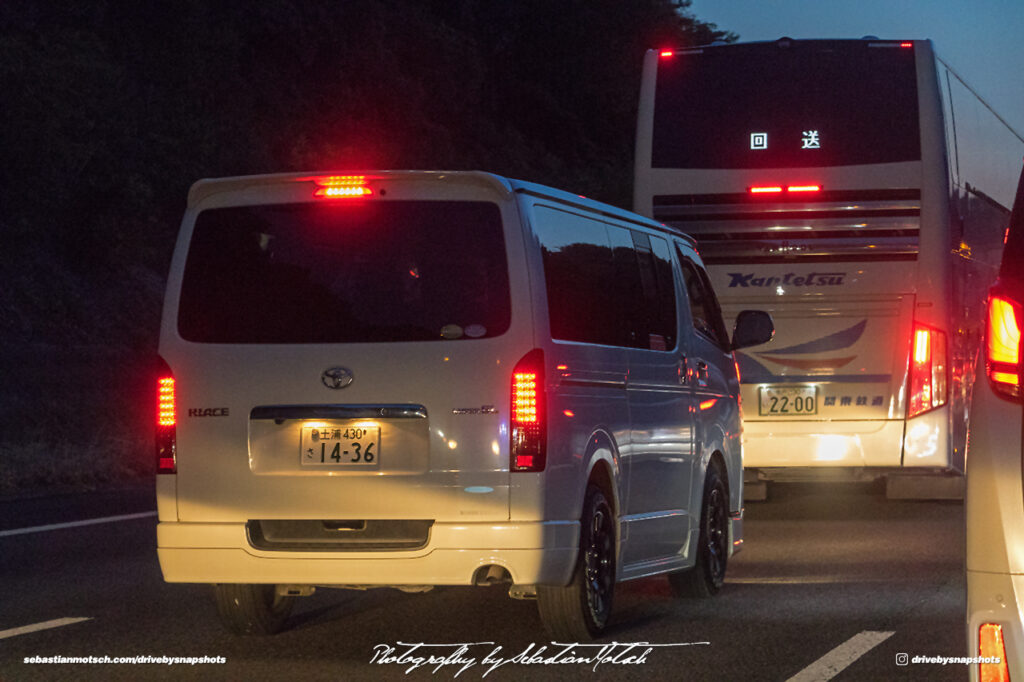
<point x="352" y="272"/>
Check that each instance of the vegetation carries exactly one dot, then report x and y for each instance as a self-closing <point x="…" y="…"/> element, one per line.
<point x="113" y="108"/>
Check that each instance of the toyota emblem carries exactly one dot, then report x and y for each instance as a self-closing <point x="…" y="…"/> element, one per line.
<point x="337" y="377"/>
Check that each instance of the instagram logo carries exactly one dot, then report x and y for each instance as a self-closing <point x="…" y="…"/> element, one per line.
<point x="902" y="659"/>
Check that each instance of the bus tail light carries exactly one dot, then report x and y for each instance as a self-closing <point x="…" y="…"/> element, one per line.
<point x="166" y="420"/>
<point x="527" y="428"/>
<point x="1002" y="344"/>
<point x="928" y="367"/>
<point x="991" y="645"/>
<point x="803" y="189"/>
<point x="766" y="189"/>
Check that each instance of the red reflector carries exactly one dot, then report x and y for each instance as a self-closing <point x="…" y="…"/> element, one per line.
<point x="992" y="646"/>
<point x="928" y="370"/>
<point x="342" y="186"/>
<point x="766" y="190"/>
<point x="804" y="188"/>
<point x="528" y="430"/>
<point x="1002" y="344"/>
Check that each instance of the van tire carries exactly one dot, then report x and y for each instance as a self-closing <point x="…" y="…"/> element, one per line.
<point x="707" y="575"/>
<point x="252" y="609"/>
<point x="580" y="610"/>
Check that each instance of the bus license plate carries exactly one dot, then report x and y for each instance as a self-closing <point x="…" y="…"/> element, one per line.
<point x="784" y="401"/>
<point x="348" y="446"/>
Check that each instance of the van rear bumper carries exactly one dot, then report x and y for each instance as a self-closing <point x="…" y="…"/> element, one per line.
<point x="534" y="553"/>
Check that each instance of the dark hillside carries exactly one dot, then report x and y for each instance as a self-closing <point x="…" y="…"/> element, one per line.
<point x="111" y="109"/>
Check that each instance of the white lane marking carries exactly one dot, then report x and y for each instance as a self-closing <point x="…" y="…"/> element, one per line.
<point x="76" y="524"/>
<point x="837" y="660"/>
<point x="46" y="625"/>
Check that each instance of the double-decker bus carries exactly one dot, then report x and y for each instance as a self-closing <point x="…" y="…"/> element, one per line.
<point x="859" y="191"/>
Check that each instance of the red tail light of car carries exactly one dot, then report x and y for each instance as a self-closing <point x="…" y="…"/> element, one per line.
<point x="527" y="428"/>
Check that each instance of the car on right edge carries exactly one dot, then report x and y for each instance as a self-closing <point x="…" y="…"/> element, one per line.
<point x="995" y="476"/>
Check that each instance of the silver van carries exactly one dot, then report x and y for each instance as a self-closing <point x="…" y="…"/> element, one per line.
<point x="410" y="379"/>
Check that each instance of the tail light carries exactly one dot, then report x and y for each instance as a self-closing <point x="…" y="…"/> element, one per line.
<point x="166" y="419"/>
<point x="991" y="646"/>
<point x="928" y="367"/>
<point x="1002" y="344"/>
<point x="528" y="429"/>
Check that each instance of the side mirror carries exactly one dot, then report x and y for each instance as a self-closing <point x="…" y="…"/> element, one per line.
<point x="753" y="327"/>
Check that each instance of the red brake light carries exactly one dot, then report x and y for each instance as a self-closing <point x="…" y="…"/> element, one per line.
<point x="342" y="186"/>
<point x="804" y="188"/>
<point x="166" y="419"/>
<point x="906" y="44"/>
<point x="927" y="370"/>
<point x="1002" y="345"/>
<point x="666" y="53"/>
<point x="773" y="189"/>
<point x="992" y="646"/>
<point x="528" y="432"/>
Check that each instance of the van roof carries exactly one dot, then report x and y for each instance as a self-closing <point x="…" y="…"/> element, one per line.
<point x="207" y="187"/>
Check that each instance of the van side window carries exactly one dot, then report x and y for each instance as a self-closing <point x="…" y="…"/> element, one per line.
<point x="658" y="323"/>
<point x="626" y="290"/>
<point x="579" y="270"/>
<point x="707" y="315"/>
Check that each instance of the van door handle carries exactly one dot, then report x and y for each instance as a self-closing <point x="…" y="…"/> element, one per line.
<point x="683" y="371"/>
<point x="702" y="373"/>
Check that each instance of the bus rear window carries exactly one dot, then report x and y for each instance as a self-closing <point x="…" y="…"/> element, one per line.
<point x="346" y="273"/>
<point x="762" y="105"/>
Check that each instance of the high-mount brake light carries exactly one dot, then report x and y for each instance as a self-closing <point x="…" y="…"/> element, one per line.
<point x="666" y="53"/>
<point x="928" y="368"/>
<point x="166" y="420"/>
<point x="1005" y="319"/>
<point x="803" y="188"/>
<point x="992" y="646"/>
<point x="766" y="189"/>
<point x="342" y="187"/>
<point x="906" y="44"/>
<point x="528" y="433"/>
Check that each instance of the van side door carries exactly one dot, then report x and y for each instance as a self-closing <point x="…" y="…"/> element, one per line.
<point x="660" y="461"/>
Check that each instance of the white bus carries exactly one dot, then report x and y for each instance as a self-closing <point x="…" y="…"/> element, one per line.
<point x="858" y="190"/>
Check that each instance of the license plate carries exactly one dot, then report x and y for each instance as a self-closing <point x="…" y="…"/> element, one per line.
<point x="782" y="401"/>
<point x="347" y="446"/>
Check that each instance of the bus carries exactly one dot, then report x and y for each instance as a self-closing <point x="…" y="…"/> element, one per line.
<point x="859" y="191"/>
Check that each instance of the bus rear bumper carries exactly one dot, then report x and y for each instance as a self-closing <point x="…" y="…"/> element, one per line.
<point x="920" y="443"/>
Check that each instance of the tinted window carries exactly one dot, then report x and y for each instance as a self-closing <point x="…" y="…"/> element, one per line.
<point x="578" y="269"/>
<point x="605" y="284"/>
<point x="707" y="315"/>
<point x="817" y="103"/>
<point x="658" y="330"/>
<point x="346" y="273"/>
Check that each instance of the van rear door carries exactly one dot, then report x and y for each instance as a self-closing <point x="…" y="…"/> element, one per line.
<point x="345" y="359"/>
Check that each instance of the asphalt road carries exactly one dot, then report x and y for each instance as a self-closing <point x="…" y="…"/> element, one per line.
<point x="830" y="576"/>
